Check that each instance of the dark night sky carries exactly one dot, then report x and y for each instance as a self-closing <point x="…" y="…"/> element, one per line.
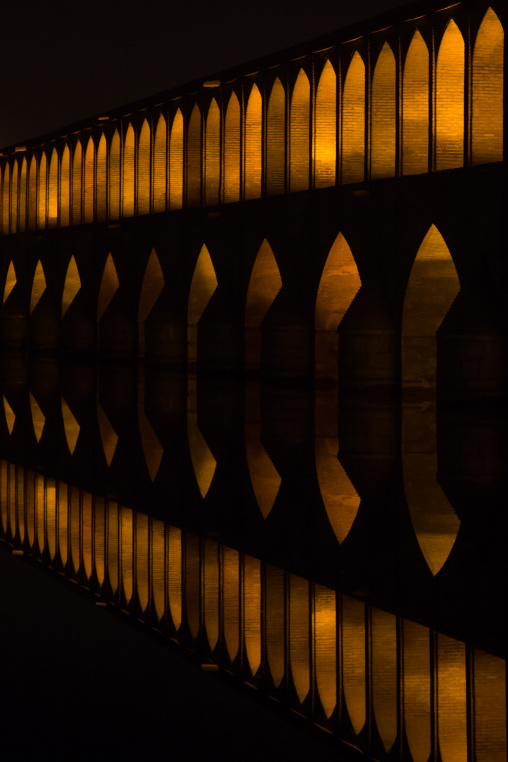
<point x="63" y="61"/>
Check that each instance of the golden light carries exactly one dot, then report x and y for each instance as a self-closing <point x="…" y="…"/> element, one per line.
<point x="72" y="285"/>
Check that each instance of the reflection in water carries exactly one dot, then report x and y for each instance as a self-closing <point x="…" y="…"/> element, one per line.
<point x="71" y="286"/>
<point x="109" y="437"/>
<point x="10" y="416"/>
<point x="179" y="577"/>
<point x="71" y="426"/>
<point x="263" y="474"/>
<point x="38" y="286"/>
<point x="10" y="281"/>
<point x="38" y="418"/>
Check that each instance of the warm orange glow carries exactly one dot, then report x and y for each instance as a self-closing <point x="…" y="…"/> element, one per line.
<point x="114" y="177"/>
<point x="264" y="285"/>
<point x="176" y="162"/>
<point x="71" y="426"/>
<point x="32" y="194"/>
<point x="415" y="108"/>
<point x="339" y="284"/>
<point x="489" y="707"/>
<point x="274" y="623"/>
<point x="142" y="560"/>
<point x="252" y="611"/>
<point x="450" y="99"/>
<point x="253" y="144"/>
<point x="50" y="496"/>
<point x="353" y="122"/>
<point x="39" y="516"/>
<point x="4" y="470"/>
<point x="38" y="418"/>
<point x="339" y="496"/>
<point x="325" y="647"/>
<point x="113" y="545"/>
<point x="64" y="197"/>
<point x="160" y="165"/>
<point x="88" y="182"/>
<point x="76" y="184"/>
<point x="158" y="562"/>
<point x="174" y="575"/>
<point x="194" y="158"/>
<point x="101" y="180"/>
<point x="143" y="175"/>
<point x="212" y="155"/>
<point x="86" y="532"/>
<point x="299" y="651"/>
<point x="299" y="135"/>
<point x="203" y="285"/>
<point x="488" y="71"/>
<point x="38" y="286"/>
<point x="128" y="173"/>
<point x="72" y="285"/>
<point x="126" y="552"/>
<point x="353" y="660"/>
<point x="74" y="527"/>
<point x="99" y="538"/>
<point x="211" y="592"/>
<point x="416" y="693"/>
<point x="10" y="416"/>
<point x="22" y="197"/>
<point x="12" y="498"/>
<point x="53" y="190"/>
<point x="382" y="162"/>
<point x="109" y="437"/>
<point x="326" y="128"/>
<point x="10" y="281"/>
<point x="451" y="699"/>
<point x="384" y="675"/>
<point x="275" y="140"/>
<point x="42" y="192"/>
<point x="14" y="198"/>
<point x="63" y="520"/>
<point x="232" y="151"/>
<point x="5" y="199"/>
<point x="231" y="600"/>
<point x="264" y="476"/>
<point x="108" y="288"/>
<point x="21" y="502"/>
<point x="203" y="462"/>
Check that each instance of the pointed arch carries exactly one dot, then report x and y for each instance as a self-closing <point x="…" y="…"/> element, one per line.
<point x="88" y="182"/>
<point x="450" y="99"/>
<point x="275" y="624"/>
<point x="415" y="108"/>
<point x="6" y="187"/>
<point x="276" y="140"/>
<point x="353" y="122"/>
<point x="212" y="155"/>
<point x="174" y="575"/>
<point x="432" y="287"/>
<point x="211" y="589"/>
<point x="71" y="426"/>
<point x="326" y="128"/>
<point x="10" y="281"/>
<point x="232" y="151"/>
<point x="143" y="174"/>
<point x="153" y="283"/>
<point x="53" y="190"/>
<point x="128" y="173"/>
<point x="231" y="600"/>
<point x="160" y="156"/>
<point x="251" y="623"/>
<point x="176" y="162"/>
<point x="253" y="144"/>
<point x="109" y="437"/>
<point x="152" y="448"/>
<point x="71" y="286"/>
<point x="299" y="652"/>
<point x="76" y="183"/>
<point x="299" y="136"/>
<point x="64" y="191"/>
<point x="384" y="674"/>
<point x="22" y="196"/>
<point x="417" y="689"/>
<point x="353" y="661"/>
<point x="383" y="122"/>
<point x="452" y="709"/>
<point x="42" y="191"/>
<point x="108" y="288"/>
<point x="142" y="551"/>
<point x="38" y="286"/>
<point x="158" y="562"/>
<point x="32" y="194"/>
<point x="264" y="477"/>
<point x="325" y="646"/>
<point x="38" y="418"/>
<point x="10" y="415"/>
<point x="101" y="180"/>
<point x="488" y="88"/>
<point x="264" y="285"/>
<point x="203" y="285"/>
<point x="114" y="176"/>
<point x="13" y="213"/>
<point x="194" y="158"/>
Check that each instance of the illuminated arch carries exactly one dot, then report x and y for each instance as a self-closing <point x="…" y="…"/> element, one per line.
<point x="76" y="184"/>
<point x="108" y="288"/>
<point x="88" y="182"/>
<point x="450" y="99"/>
<point x="232" y="151"/>
<point x="384" y="674"/>
<point x="353" y="661"/>
<point x="42" y="192"/>
<point x="128" y="172"/>
<point x="72" y="285"/>
<point x="10" y="281"/>
<point x="160" y="165"/>
<point x="194" y="158"/>
<point x="212" y="155"/>
<point x="126" y="542"/>
<point x="158" y="558"/>
<point x="275" y="140"/>
<point x="264" y="285"/>
<point x="326" y="128"/>
<point x="353" y="122"/>
<point x="176" y="162"/>
<point x="32" y="194"/>
<point x="251" y="622"/>
<point x="299" y="651"/>
<point x="203" y="285"/>
<point x="22" y="196"/>
<point x="114" y="177"/>
<point x="253" y="144"/>
<point x="452" y="704"/>
<point x="71" y="426"/>
<point x="211" y="582"/>
<point x="299" y="135"/>
<point x="488" y="88"/>
<point x="142" y="550"/>
<point x="174" y="575"/>
<point x="143" y="175"/>
<point x="275" y="623"/>
<point x="415" y="108"/>
<point x="109" y="437"/>
<point x="231" y="600"/>
<point x="5" y="198"/>
<point x="325" y="646"/>
<point x="64" y="202"/>
<point x="38" y="286"/>
<point x="101" y="180"/>
<point x="153" y="283"/>
<point x="13" y="212"/>
<point x="53" y="190"/>
<point x="38" y="418"/>
<point x="417" y="690"/>
<point x="383" y="123"/>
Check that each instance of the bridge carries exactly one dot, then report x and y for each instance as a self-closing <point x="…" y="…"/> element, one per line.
<point x="356" y="180"/>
